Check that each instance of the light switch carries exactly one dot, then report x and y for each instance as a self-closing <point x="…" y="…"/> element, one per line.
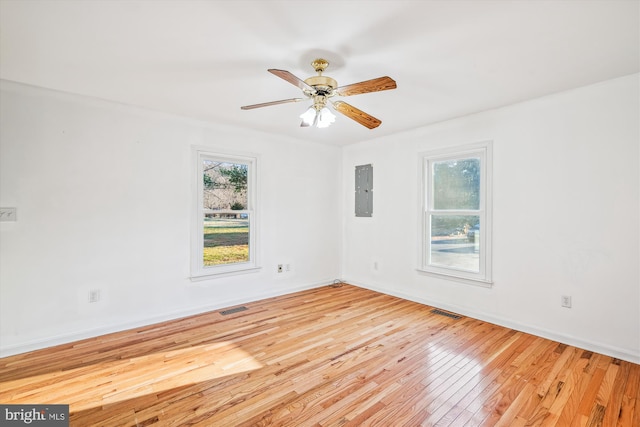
<point x="8" y="214"/>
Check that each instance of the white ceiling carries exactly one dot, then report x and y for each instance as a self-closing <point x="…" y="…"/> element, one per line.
<point x="204" y="59"/>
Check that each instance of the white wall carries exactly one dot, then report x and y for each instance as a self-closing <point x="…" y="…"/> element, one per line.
<point x="103" y="194"/>
<point x="566" y="217"/>
<point x="103" y="197"/>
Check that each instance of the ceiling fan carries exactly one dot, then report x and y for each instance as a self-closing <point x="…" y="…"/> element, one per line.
<point x="320" y="88"/>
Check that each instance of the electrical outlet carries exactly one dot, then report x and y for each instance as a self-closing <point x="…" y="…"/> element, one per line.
<point x="279" y="268"/>
<point x="566" y="301"/>
<point x="94" y="295"/>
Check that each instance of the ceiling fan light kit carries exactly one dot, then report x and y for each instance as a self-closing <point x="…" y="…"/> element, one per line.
<point x="320" y="88"/>
<point x="320" y="118"/>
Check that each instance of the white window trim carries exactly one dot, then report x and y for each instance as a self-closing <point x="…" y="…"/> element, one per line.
<point x="482" y="150"/>
<point x="198" y="270"/>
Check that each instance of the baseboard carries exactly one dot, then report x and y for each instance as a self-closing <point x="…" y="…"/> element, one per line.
<point x="608" y="350"/>
<point x="78" y="335"/>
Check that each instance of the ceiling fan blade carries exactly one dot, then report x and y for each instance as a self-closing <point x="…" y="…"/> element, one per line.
<point x="267" y="104"/>
<point x="285" y="75"/>
<point x="373" y="85"/>
<point x="359" y="116"/>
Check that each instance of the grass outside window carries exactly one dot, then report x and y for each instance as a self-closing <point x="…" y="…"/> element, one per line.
<point x="226" y="241"/>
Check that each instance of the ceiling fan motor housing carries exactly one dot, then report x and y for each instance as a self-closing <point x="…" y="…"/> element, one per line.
<point x="323" y="85"/>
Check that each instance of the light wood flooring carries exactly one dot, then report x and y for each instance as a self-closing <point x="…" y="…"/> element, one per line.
<point x="332" y="356"/>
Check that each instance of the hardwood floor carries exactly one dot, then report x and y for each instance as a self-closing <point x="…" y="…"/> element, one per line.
<point x="341" y="356"/>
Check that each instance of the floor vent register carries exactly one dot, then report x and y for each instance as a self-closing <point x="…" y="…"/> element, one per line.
<point x="446" y="313"/>
<point x="233" y="310"/>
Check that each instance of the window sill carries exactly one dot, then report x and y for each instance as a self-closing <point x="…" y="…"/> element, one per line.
<point x="206" y="275"/>
<point x="482" y="282"/>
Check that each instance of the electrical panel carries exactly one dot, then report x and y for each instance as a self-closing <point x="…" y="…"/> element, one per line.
<point x="364" y="190"/>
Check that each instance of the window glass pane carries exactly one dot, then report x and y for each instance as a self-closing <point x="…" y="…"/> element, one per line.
<point x="225" y="185"/>
<point x="455" y="242"/>
<point x="456" y="184"/>
<point x="226" y="216"/>
<point x="226" y="238"/>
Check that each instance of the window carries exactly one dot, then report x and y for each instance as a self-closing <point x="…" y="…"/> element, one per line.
<point x="225" y="214"/>
<point x="456" y="215"/>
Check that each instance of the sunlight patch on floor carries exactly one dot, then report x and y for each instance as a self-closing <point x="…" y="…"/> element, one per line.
<point x="92" y="385"/>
